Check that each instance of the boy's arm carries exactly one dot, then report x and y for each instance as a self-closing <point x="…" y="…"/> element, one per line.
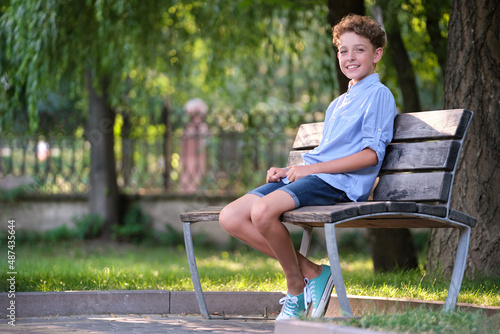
<point x="356" y="161"/>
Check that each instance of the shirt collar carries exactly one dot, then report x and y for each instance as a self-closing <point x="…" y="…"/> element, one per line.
<point x="363" y="84"/>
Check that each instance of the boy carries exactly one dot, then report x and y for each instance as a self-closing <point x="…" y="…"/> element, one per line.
<point x="358" y="127"/>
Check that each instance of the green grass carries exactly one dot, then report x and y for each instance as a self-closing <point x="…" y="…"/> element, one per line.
<point x="95" y="266"/>
<point x="82" y="265"/>
<point x="79" y="265"/>
<point x="422" y="320"/>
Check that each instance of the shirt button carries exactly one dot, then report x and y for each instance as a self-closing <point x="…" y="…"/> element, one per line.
<point x="379" y="130"/>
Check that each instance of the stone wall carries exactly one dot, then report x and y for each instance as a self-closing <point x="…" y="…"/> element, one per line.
<point x="41" y="213"/>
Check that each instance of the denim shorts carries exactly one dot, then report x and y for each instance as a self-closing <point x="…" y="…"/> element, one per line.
<point x="306" y="191"/>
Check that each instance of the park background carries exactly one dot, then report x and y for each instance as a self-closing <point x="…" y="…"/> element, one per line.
<point x="96" y="131"/>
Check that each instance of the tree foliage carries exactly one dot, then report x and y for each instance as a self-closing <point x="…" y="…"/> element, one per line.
<point x="234" y="54"/>
<point x="49" y="43"/>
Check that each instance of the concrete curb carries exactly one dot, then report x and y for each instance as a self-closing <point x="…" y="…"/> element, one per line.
<point x="39" y="304"/>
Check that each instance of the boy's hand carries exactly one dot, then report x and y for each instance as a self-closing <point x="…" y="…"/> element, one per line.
<point x="296" y="172"/>
<point x="275" y="174"/>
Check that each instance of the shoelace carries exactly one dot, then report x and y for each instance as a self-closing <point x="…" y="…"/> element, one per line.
<point x="290" y="303"/>
<point x="307" y="293"/>
<point x="314" y="296"/>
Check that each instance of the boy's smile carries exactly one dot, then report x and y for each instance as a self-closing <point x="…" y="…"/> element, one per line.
<point x="357" y="56"/>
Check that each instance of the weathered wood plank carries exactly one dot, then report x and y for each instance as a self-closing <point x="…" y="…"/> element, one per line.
<point x="389" y="221"/>
<point x="421" y="156"/>
<point x="413" y="187"/>
<point x="433" y="210"/>
<point x="440" y="124"/>
<point x="295" y="157"/>
<point x="428" y="125"/>
<point x="401" y="206"/>
<point x="334" y="213"/>
<point x="400" y="221"/>
<point x="462" y="218"/>
<point x="205" y="214"/>
<point x="322" y="214"/>
<point x="308" y="136"/>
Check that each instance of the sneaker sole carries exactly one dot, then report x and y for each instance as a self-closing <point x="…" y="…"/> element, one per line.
<point x="325" y="299"/>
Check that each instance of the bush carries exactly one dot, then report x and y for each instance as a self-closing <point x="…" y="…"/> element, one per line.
<point x="171" y="237"/>
<point x="136" y="226"/>
<point x="88" y="226"/>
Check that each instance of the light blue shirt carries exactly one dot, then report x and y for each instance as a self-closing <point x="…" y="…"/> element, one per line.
<point x="363" y="117"/>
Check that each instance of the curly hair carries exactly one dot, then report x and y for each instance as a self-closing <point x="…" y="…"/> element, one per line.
<point x="362" y="25"/>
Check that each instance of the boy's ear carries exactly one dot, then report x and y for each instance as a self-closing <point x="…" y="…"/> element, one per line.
<point x="378" y="55"/>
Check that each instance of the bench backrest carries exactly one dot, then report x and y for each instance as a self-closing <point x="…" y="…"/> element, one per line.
<point x="420" y="162"/>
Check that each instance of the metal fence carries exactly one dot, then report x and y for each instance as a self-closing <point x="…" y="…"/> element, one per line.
<point x="220" y="163"/>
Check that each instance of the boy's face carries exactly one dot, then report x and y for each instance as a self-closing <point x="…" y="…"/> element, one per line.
<point x="357" y="56"/>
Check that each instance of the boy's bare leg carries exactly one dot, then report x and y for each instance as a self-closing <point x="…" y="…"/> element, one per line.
<point x="236" y="220"/>
<point x="265" y="215"/>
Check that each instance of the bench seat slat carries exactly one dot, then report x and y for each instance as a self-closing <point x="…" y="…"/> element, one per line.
<point x="206" y="214"/>
<point x="320" y="215"/>
<point x="433" y="210"/>
<point x="330" y="213"/>
<point x="396" y="221"/>
<point x="462" y="218"/>
<point x="389" y="219"/>
<point x="341" y="211"/>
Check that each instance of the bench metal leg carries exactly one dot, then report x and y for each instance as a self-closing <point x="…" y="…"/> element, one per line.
<point x="333" y="256"/>
<point x="458" y="269"/>
<point x="306" y="240"/>
<point x="193" y="268"/>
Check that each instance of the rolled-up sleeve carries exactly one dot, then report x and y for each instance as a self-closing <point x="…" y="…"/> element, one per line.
<point x="378" y="122"/>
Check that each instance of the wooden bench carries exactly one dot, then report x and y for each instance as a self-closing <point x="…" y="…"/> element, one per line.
<point x="413" y="191"/>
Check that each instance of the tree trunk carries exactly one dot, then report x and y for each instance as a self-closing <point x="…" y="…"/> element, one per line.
<point x="433" y="12"/>
<point x="472" y="81"/>
<point x="127" y="150"/>
<point x="398" y="56"/>
<point x="103" y="193"/>
<point x="392" y="249"/>
<point x="336" y="11"/>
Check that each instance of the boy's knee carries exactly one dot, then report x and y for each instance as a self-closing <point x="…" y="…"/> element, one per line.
<point x="225" y="217"/>
<point x="229" y="219"/>
<point x="261" y="216"/>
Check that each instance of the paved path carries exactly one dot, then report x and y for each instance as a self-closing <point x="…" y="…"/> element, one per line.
<point x="99" y="324"/>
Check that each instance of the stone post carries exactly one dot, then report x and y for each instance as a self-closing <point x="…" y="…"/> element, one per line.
<point x="193" y="151"/>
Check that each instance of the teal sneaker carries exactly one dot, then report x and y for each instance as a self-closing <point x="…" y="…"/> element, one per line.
<point x="321" y="289"/>
<point x="295" y="306"/>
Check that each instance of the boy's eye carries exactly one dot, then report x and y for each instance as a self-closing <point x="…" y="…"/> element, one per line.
<point x="359" y="50"/>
